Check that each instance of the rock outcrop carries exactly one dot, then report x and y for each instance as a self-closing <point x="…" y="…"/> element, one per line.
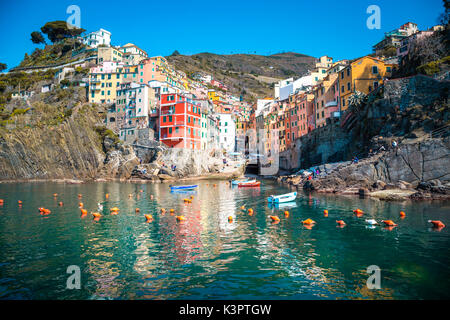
<point x="173" y="164"/>
<point x="414" y="170"/>
<point x="70" y="150"/>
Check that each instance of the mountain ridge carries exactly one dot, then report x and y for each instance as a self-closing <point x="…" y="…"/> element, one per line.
<point x="249" y="75"/>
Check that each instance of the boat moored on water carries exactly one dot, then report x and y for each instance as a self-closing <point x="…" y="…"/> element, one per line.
<point x="185" y="187"/>
<point x="287" y="197"/>
<point x="252" y="183"/>
<point x="236" y="182"/>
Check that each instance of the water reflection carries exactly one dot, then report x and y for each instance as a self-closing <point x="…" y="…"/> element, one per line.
<point x="206" y="256"/>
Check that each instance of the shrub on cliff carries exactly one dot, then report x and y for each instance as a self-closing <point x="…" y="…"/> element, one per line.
<point x="103" y="132"/>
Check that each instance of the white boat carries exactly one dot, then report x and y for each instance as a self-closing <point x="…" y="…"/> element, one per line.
<point x="287" y="197"/>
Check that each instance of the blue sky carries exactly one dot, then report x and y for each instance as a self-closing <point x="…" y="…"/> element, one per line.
<point x="335" y="28"/>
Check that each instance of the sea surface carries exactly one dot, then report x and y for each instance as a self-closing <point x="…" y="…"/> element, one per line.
<point x="207" y="257"/>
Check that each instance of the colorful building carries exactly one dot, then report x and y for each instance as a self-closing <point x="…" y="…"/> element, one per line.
<point x="180" y="121"/>
<point x="364" y="75"/>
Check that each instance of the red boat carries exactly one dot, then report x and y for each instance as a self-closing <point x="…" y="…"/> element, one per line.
<point x="249" y="184"/>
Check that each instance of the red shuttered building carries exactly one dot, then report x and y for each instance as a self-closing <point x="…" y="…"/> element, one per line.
<point x="179" y="122"/>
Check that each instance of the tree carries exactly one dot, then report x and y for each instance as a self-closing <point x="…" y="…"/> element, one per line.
<point x="2" y="66"/>
<point x="59" y="30"/>
<point x="37" y="37"/>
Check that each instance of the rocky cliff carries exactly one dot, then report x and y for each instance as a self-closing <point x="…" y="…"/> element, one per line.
<point x="416" y="169"/>
<point x="69" y="150"/>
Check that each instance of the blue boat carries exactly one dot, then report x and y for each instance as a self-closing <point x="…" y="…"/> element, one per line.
<point x="190" y="187"/>
<point x="287" y="197"/>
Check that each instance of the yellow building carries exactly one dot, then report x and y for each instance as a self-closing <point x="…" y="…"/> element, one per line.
<point x="364" y="75"/>
<point x="103" y="83"/>
<point x="106" y="78"/>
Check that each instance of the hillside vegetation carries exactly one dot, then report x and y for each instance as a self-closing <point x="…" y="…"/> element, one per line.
<point x="249" y="75"/>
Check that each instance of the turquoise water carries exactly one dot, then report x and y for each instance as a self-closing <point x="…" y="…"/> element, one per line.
<point x="206" y="257"/>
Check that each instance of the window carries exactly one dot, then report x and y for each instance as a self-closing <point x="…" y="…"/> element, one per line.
<point x="323" y="114"/>
<point x="164" y="119"/>
<point x="170" y="130"/>
<point x="348" y="86"/>
<point x="375" y="84"/>
<point x="342" y="89"/>
<point x="342" y="75"/>
<point x="176" y="129"/>
<point x="374" y="69"/>
<point x="388" y="69"/>
<point x="348" y="72"/>
<point x="170" y="118"/>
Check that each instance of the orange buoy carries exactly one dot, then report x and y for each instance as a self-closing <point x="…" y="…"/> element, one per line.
<point x="114" y="209"/>
<point x="60" y="203"/>
<point x="55" y="195"/>
<point x="340" y="222"/>
<point x="402" y="214"/>
<point x="1" y="201"/>
<point x="230" y="219"/>
<point x="172" y="210"/>
<point x="107" y="195"/>
<point x="243" y="207"/>
<point x="437" y="223"/>
<point x="389" y="223"/>
<point x="358" y="211"/>
<point x="79" y="195"/>
<point x="186" y="200"/>
<point x="308" y="221"/>
<point x="19" y="202"/>
<point x="137" y="210"/>
<point x="163" y="210"/>
<point x="96" y="215"/>
<point x="44" y="211"/>
<point x="148" y="217"/>
<point x="325" y="213"/>
<point x="286" y="214"/>
<point x="80" y="205"/>
<point x="214" y="185"/>
<point x="192" y="197"/>
<point x="83" y="211"/>
<point x="181" y="218"/>
<point x="274" y="218"/>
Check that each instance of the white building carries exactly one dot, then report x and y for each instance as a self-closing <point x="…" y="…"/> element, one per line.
<point x="227" y="131"/>
<point x="96" y="38"/>
<point x="280" y="84"/>
<point x="135" y="102"/>
<point x="262" y="104"/>
<point x="132" y="54"/>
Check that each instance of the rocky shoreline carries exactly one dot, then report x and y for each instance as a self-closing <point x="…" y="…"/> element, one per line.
<point x="415" y="171"/>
